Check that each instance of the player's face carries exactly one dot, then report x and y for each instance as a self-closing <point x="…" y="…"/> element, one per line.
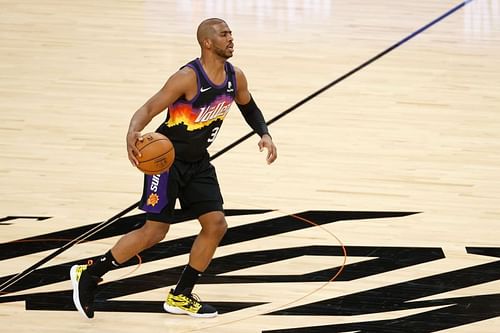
<point x="222" y="41"/>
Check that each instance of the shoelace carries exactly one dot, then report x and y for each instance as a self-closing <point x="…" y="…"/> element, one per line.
<point x="194" y="299"/>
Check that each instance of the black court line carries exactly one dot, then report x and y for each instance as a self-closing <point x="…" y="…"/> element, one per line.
<point x="112" y="220"/>
<point x="345" y="76"/>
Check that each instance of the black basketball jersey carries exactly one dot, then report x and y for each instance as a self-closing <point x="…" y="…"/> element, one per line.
<point x="193" y="125"/>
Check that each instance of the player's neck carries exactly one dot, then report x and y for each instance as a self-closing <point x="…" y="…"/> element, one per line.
<point x="214" y="67"/>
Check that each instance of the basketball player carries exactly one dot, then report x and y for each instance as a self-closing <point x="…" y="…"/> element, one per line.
<point x="198" y="97"/>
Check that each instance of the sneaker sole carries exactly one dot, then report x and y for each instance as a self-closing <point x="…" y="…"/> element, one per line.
<point x="76" y="297"/>
<point x="176" y="310"/>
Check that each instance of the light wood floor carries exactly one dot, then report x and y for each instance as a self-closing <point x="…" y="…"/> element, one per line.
<point x="417" y="131"/>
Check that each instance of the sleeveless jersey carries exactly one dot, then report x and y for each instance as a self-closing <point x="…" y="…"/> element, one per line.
<point x="193" y="125"/>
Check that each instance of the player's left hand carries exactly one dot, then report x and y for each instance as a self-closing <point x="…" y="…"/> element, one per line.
<point x="267" y="142"/>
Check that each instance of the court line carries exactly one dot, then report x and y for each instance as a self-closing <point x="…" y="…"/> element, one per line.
<point x="16" y="278"/>
<point x="115" y="218"/>
<point x="346" y="75"/>
<point x="286" y="305"/>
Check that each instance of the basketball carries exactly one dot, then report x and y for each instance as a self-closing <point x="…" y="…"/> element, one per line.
<point x="157" y="153"/>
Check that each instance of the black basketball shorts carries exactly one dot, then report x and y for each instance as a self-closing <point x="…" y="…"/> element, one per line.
<point x="194" y="184"/>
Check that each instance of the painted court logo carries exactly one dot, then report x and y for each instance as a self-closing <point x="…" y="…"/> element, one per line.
<point x="423" y="303"/>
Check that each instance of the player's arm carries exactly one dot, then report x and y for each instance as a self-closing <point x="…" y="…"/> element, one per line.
<point x="253" y="116"/>
<point x="176" y="86"/>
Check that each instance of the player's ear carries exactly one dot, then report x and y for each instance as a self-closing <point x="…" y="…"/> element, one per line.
<point x="207" y="43"/>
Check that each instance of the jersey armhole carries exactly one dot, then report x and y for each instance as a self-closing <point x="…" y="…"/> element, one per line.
<point x="198" y="85"/>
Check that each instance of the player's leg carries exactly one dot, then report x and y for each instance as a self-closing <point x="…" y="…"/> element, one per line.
<point x="85" y="278"/>
<point x="181" y="300"/>
<point x="151" y="233"/>
<point x="158" y="200"/>
<point x="202" y="196"/>
<point x="213" y="229"/>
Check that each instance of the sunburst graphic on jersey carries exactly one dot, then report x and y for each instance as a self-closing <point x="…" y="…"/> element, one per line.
<point x="196" y="118"/>
<point x="182" y="114"/>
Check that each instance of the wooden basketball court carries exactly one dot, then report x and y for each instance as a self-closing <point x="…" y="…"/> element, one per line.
<point x="380" y="215"/>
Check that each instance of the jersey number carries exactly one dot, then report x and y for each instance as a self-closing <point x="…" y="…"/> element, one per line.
<point x="214" y="134"/>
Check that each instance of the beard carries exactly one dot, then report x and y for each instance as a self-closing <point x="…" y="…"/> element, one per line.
<point x="223" y="53"/>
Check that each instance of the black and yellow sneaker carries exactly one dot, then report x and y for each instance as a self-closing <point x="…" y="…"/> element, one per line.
<point x="188" y="304"/>
<point x="84" y="286"/>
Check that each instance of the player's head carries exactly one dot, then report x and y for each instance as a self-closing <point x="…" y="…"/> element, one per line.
<point x="214" y="36"/>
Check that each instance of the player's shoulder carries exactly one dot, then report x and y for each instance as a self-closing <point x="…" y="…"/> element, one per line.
<point x="182" y="76"/>
<point x="237" y="70"/>
<point x="186" y="72"/>
<point x="239" y="73"/>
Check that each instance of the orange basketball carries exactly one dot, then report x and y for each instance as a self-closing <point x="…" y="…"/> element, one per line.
<point x="157" y="153"/>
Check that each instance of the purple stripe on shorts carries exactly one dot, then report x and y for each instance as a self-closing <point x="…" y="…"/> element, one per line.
<point x="156" y="193"/>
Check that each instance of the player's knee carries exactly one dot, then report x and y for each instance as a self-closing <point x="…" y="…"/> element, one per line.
<point x="153" y="235"/>
<point x="217" y="228"/>
<point x="155" y="238"/>
<point x="222" y="227"/>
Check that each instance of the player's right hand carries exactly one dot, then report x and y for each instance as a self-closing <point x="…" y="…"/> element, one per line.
<point x="133" y="152"/>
